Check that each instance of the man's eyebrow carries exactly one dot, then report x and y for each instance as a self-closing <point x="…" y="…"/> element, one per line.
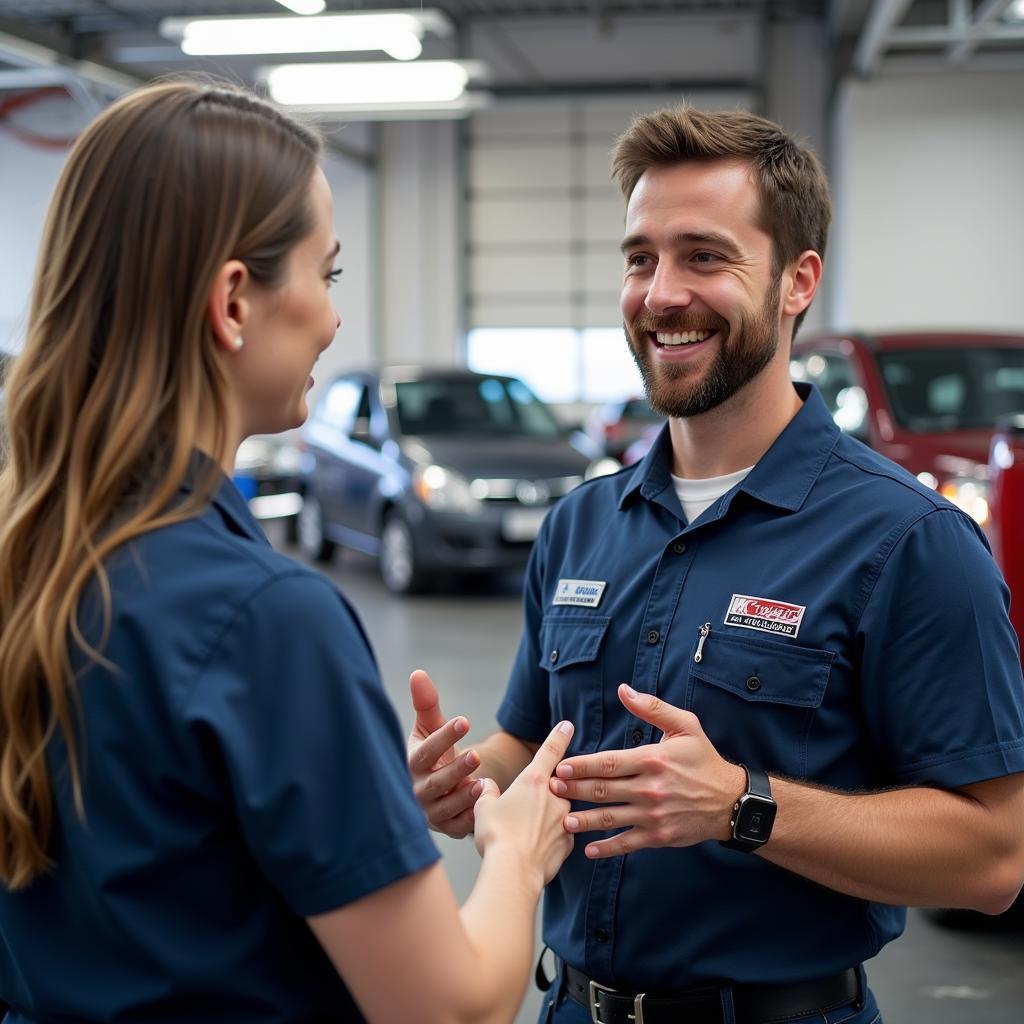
<point x="712" y="238"/>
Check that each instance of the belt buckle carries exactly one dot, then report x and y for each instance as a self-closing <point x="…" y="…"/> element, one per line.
<point x="596" y="988"/>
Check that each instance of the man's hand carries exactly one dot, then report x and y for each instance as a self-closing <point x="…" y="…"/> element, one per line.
<point x="678" y="792"/>
<point x="442" y="776"/>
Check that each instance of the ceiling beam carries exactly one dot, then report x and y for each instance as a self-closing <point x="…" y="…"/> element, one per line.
<point x="988" y="12"/>
<point x="885" y="15"/>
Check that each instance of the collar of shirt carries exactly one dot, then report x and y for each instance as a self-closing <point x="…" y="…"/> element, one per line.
<point x="782" y="477"/>
<point x="227" y="500"/>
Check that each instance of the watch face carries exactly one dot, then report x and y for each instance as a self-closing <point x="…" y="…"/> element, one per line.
<point x="755" y="819"/>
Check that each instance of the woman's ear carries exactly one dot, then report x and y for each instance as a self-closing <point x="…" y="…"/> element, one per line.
<point x="228" y="308"/>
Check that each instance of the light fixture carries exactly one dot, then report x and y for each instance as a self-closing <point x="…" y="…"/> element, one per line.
<point x="1016" y="11"/>
<point x="397" y="33"/>
<point x="304" y="6"/>
<point x="370" y="89"/>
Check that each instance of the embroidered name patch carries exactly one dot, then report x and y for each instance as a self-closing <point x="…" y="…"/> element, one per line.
<point x="586" y="593"/>
<point x="764" y="614"/>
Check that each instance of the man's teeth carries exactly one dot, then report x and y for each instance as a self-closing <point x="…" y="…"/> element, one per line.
<point x="686" y="338"/>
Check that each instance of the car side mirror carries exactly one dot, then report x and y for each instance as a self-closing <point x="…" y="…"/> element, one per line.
<point x="360" y="432"/>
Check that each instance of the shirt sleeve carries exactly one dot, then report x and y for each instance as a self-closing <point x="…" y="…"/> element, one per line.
<point x="292" y="707"/>
<point x="525" y="711"/>
<point x="942" y="691"/>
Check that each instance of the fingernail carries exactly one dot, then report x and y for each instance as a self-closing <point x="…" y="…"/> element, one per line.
<point x="559" y="787"/>
<point x="591" y="851"/>
<point x="471" y="760"/>
<point x="565" y="727"/>
<point x="461" y="726"/>
<point x="572" y="823"/>
<point x="564" y="771"/>
<point x="630" y="692"/>
<point x="478" y="787"/>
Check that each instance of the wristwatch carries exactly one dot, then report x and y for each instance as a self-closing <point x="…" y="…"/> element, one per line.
<point x="753" y="814"/>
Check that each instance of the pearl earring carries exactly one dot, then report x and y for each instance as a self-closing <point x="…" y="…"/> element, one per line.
<point x="238" y="342"/>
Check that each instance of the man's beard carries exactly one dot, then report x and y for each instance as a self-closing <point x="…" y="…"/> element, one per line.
<point x="670" y="391"/>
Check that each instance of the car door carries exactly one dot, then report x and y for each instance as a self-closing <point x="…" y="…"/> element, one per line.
<point x="327" y="435"/>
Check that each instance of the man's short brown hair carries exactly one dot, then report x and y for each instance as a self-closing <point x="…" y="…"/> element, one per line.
<point x="795" y="205"/>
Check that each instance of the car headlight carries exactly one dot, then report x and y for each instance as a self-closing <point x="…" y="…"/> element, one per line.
<point x="444" y="489"/>
<point x="969" y="494"/>
<point x="602" y="467"/>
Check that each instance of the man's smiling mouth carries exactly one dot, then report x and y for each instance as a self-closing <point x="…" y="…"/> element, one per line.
<point x="670" y="339"/>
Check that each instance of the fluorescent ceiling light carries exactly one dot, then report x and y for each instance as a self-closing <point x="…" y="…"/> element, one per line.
<point x="304" y="6"/>
<point x="1016" y="11"/>
<point x="397" y="33"/>
<point x="356" y="85"/>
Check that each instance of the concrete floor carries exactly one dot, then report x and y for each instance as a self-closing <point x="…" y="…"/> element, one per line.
<point x="467" y="639"/>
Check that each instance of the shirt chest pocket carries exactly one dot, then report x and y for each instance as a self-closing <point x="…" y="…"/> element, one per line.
<point x="757" y="699"/>
<point x="570" y="652"/>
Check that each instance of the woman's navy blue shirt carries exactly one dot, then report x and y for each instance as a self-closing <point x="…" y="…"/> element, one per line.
<point x="243" y="769"/>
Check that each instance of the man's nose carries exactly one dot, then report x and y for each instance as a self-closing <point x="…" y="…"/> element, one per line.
<point x="668" y="292"/>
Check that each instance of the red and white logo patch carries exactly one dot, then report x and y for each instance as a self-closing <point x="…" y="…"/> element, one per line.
<point x="764" y="614"/>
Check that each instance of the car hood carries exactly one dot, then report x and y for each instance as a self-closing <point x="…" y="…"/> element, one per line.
<point x="520" y="458"/>
<point x="946" y="454"/>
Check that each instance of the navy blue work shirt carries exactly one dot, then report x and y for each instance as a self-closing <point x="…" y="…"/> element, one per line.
<point x="858" y="637"/>
<point x="243" y="769"/>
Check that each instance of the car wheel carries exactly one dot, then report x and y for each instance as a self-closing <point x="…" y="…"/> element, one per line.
<point x="312" y="541"/>
<point x="398" y="563"/>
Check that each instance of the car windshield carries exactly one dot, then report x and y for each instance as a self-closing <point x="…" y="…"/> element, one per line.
<point x="475" y="406"/>
<point x="953" y="388"/>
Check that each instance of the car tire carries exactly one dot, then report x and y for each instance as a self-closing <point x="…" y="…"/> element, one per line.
<point x="399" y="566"/>
<point x="313" y="542"/>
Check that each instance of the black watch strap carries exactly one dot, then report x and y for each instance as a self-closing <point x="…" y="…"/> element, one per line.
<point x="753" y="814"/>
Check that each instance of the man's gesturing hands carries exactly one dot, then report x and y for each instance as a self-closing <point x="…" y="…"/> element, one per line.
<point x="442" y="776"/>
<point x="678" y="792"/>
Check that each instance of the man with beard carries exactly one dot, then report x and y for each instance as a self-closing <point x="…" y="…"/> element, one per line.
<point x="796" y="690"/>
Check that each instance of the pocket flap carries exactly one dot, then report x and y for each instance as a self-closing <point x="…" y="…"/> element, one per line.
<point x="570" y="639"/>
<point x="759" y="670"/>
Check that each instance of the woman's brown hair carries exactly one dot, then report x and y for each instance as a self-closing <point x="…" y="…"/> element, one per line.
<point x="119" y="368"/>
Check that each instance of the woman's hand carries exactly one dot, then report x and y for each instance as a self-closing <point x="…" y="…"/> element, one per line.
<point x="528" y="817"/>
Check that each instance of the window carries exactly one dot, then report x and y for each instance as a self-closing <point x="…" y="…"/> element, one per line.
<point x="840" y="389"/>
<point x="558" y="363"/>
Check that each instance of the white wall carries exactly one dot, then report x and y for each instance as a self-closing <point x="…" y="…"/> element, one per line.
<point x="28" y="174"/>
<point x="419" y="243"/>
<point x="932" y="208"/>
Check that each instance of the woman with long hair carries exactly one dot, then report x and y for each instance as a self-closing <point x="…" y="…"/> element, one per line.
<point x="205" y="810"/>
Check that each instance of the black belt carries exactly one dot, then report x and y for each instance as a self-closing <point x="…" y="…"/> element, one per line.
<point x="753" y="1005"/>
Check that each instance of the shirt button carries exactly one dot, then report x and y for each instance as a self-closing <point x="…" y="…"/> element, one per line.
<point x="653" y="636"/>
<point x="679" y="547"/>
<point x="753" y="684"/>
<point x="601" y="934"/>
<point x="637" y="737"/>
<point x="553" y="657"/>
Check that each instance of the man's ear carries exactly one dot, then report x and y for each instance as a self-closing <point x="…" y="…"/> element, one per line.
<point x="228" y="308"/>
<point x="800" y="283"/>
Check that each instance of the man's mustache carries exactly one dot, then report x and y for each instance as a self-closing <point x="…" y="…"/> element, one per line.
<point x="677" y="323"/>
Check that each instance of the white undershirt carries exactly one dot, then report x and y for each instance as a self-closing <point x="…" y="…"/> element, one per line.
<point x="697" y="495"/>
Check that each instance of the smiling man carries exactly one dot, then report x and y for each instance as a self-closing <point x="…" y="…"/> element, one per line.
<point x="796" y="691"/>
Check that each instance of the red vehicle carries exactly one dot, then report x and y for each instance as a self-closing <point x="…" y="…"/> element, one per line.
<point x="930" y="401"/>
<point x="1006" y="469"/>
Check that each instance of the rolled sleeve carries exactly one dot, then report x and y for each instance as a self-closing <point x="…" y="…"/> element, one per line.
<point x="943" y="695"/>
<point x="292" y="706"/>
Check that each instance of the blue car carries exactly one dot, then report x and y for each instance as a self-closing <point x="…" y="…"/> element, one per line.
<point x="434" y="471"/>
